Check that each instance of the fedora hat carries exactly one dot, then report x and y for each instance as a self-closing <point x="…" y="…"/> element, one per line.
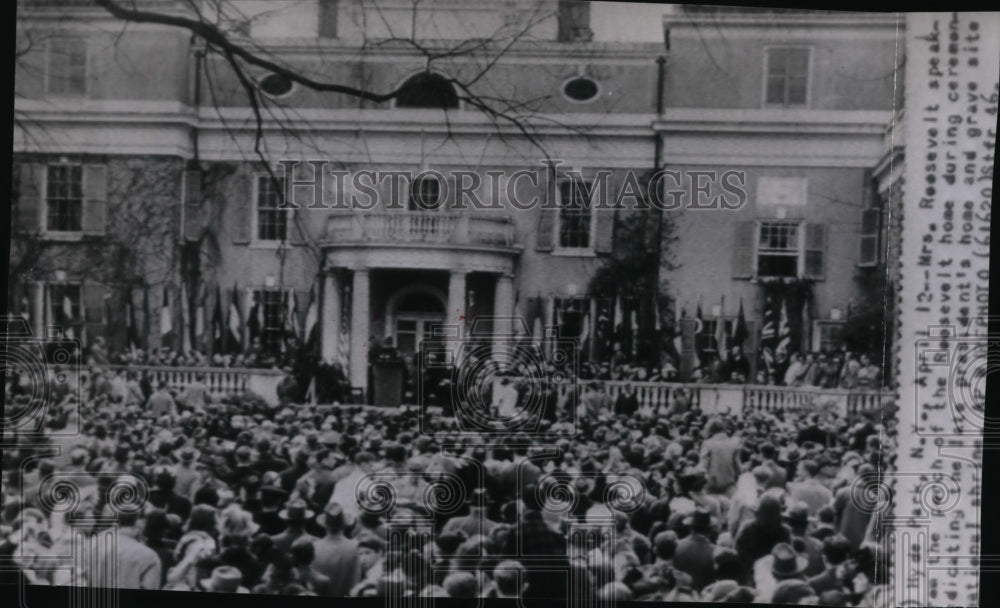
<point x="700" y="520"/>
<point x="798" y="513"/>
<point x="225" y="579"/>
<point x="296" y="510"/>
<point x="786" y="561"/>
<point x="188" y="454"/>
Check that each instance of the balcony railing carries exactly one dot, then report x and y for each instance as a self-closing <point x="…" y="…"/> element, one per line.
<point x="420" y="227"/>
<point x="737" y="399"/>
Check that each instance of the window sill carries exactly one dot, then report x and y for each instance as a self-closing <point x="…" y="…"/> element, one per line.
<point x="268" y="244"/>
<point x="574" y="253"/>
<point x="67" y="237"/>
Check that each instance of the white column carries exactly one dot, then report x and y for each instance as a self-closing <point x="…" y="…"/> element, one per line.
<point x="360" y="326"/>
<point x="456" y="313"/>
<point x="503" y="307"/>
<point x="329" y="318"/>
<point x="37" y="297"/>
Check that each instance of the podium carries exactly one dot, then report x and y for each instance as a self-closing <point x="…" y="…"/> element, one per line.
<point x="387" y="382"/>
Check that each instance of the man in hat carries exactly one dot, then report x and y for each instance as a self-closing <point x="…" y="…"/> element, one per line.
<point x="185" y="475"/>
<point x="224" y="579"/>
<point x="782" y="567"/>
<point x="720" y="454"/>
<point x="164" y="496"/>
<point x="798" y="520"/>
<point x="476" y="522"/>
<point x="336" y="555"/>
<point x="696" y="553"/>
<point x="303" y="554"/>
<point x="809" y="489"/>
<point x="850" y="518"/>
<point x="757" y="537"/>
<point x="295" y="515"/>
<point x="836" y="550"/>
<point x="664" y="549"/>
<point x="627" y="403"/>
<point x="161" y="403"/>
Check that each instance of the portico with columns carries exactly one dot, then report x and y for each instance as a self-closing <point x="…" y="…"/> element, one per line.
<point x="400" y="284"/>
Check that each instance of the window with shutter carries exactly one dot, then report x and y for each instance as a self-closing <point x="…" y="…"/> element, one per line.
<point x="95" y="191"/>
<point x="778" y="249"/>
<point x="272" y="219"/>
<point x="815" y="251"/>
<point x="871" y="227"/>
<point x="64" y="198"/>
<point x="576" y="217"/>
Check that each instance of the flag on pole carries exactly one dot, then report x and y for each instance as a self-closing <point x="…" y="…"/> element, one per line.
<point x="584" y="332"/>
<point x="218" y="323"/>
<point x="185" y="321"/>
<point x="720" y="331"/>
<point x="199" y="315"/>
<point x="67" y="309"/>
<point x="344" y="336"/>
<point x="312" y="315"/>
<point x="166" y="322"/>
<point x="146" y="316"/>
<point x="740" y="332"/>
<point x="292" y="315"/>
<point x="784" y="330"/>
<point x="678" y="333"/>
<point x="769" y="327"/>
<point x="235" y="321"/>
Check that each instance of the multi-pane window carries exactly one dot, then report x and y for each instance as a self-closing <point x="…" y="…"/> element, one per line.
<point x="67" y="66"/>
<point x="271" y="313"/>
<point x="778" y="249"/>
<point x="787" y="76"/>
<point x="272" y="220"/>
<point x="425" y="194"/>
<point x="574" y="216"/>
<point x="64" y="198"/>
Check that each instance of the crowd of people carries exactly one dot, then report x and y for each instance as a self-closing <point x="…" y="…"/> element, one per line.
<point x="241" y="496"/>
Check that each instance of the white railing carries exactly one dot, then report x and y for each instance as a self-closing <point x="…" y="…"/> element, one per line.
<point x="221" y="381"/>
<point x="738" y="398"/>
<point x="419" y="227"/>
